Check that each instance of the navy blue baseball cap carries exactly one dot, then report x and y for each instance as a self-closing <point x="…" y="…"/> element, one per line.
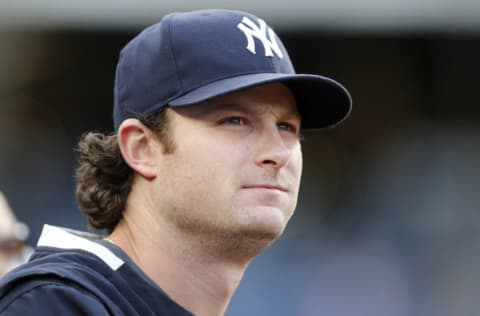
<point x="194" y="56"/>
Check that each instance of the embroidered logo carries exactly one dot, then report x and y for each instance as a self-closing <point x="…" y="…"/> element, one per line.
<point x="263" y="33"/>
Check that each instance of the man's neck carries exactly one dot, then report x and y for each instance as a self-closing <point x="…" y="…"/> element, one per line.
<point x="188" y="271"/>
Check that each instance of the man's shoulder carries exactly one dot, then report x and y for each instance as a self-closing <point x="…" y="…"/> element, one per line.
<point x="74" y="265"/>
<point x="54" y="283"/>
<point x="50" y="295"/>
<point x="70" y="272"/>
<point x="67" y="271"/>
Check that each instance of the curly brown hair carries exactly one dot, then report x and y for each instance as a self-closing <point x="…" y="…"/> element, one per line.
<point x="104" y="179"/>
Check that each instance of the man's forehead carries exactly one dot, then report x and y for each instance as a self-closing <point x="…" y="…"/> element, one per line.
<point x="275" y="98"/>
<point x="256" y="108"/>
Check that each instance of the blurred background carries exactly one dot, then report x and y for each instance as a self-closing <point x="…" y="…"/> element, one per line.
<point x="388" y="218"/>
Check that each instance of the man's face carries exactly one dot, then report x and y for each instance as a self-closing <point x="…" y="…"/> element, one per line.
<point x="236" y="167"/>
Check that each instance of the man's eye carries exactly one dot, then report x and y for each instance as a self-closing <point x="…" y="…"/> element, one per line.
<point x="235" y="121"/>
<point x="287" y="127"/>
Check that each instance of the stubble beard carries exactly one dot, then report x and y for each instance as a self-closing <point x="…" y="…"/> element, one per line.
<point x="229" y="241"/>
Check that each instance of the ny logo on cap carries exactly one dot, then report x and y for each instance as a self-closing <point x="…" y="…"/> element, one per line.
<point x="251" y="30"/>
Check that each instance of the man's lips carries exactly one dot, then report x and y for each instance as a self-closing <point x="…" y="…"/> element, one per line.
<point x="266" y="186"/>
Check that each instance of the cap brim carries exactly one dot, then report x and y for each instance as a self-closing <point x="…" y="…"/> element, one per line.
<point x="321" y="101"/>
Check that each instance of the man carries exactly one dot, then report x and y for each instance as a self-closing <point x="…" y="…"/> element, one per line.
<point x="201" y="174"/>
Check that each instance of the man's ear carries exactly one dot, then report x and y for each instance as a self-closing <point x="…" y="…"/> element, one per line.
<point x="138" y="146"/>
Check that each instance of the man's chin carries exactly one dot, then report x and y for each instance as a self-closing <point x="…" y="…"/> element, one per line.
<point x="243" y="241"/>
<point x="247" y="243"/>
<point x="266" y="222"/>
<point x="263" y="231"/>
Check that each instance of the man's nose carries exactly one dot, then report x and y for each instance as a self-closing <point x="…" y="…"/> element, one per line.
<point x="272" y="150"/>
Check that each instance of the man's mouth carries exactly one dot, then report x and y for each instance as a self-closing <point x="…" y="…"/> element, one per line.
<point x="266" y="186"/>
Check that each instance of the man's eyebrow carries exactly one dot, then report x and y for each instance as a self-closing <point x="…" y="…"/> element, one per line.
<point x="288" y="114"/>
